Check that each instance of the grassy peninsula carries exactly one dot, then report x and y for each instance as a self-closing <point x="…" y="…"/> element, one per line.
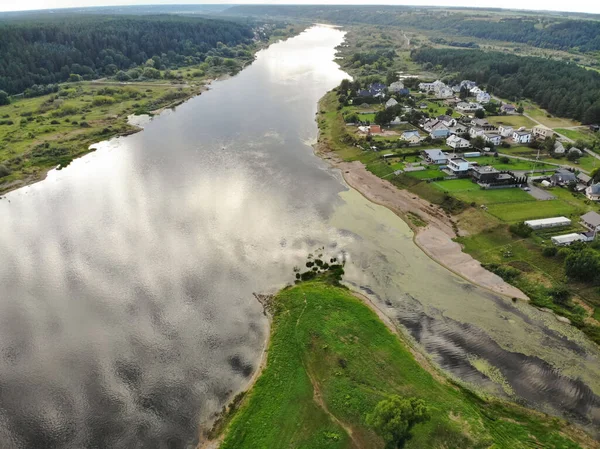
<point x="331" y="360"/>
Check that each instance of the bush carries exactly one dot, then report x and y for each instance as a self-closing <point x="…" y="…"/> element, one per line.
<point x="549" y="251"/>
<point x="84" y="124"/>
<point x="4" y="171"/>
<point x="520" y="229"/>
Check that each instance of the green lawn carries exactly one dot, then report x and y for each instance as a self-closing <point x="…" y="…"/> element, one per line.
<point x="515" y="212"/>
<point x="426" y="174"/>
<point x="582" y="133"/>
<point x="330" y="360"/>
<point x="513" y="164"/>
<point x="516" y="121"/>
<point x="456" y="185"/>
<point x="542" y="116"/>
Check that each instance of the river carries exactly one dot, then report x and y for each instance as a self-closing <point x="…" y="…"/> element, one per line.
<point x="126" y="279"/>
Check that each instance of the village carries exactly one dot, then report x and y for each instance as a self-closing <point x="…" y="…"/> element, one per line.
<point x="482" y="151"/>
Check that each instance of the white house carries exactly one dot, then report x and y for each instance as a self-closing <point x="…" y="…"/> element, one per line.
<point x="505" y="130"/>
<point x="468" y="107"/>
<point x="559" y="148"/>
<point x="390" y="103"/>
<point x="396" y="121"/>
<point x="444" y="92"/>
<point x="396" y="86"/>
<point x="447" y="120"/>
<point x="476" y="131"/>
<point x="483" y="97"/>
<point x="457" y="142"/>
<point x="437" y="157"/>
<point x="475" y="90"/>
<point x="521" y="137"/>
<point x="458" y="165"/>
<point x="410" y="134"/>
<point x="541" y="132"/>
<point x="493" y="138"/>
<point x="593" y="192"/>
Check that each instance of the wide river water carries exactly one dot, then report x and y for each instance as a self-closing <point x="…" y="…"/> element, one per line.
<point x="126" y="280"/>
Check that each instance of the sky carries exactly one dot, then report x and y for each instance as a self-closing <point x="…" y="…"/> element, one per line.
<point x="589" y="6"/>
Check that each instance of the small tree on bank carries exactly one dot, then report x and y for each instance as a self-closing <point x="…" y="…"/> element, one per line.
<point x="394" y="418"/>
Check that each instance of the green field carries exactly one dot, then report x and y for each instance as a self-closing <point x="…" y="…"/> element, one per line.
<point x="513" y="164"/>
<point x="582" y="133"/>
<point x="516" y="121"/>
<point x="515" y="212"/>
<point x="331" y="359"/>
<point x="542" y="116"/>
<point x="468" y="191"/>
<point x="426" y="174"/>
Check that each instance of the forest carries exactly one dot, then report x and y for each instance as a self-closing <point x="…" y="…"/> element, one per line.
<point x="48" y="51"/>
<point x="542" y="31"/>
<point x="563" y="89"/>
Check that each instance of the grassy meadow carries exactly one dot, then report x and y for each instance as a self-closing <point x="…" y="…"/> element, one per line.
<point x="331" y="360"/>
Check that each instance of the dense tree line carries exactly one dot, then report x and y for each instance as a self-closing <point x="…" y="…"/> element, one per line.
<point x="544" y="32"/>
<point x="42" y="52"/>
<point x="563" y="89"/>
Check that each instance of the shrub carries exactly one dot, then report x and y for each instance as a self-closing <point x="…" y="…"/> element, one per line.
<point x="549" y="251"/>
<point x="520" y="229"/>
<point x="4" y="171"/>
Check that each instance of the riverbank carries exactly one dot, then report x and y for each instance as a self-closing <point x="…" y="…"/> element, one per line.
<point x="433" y="228"/>
<point x="48" y="132"/>
<point x="331" y="359"/>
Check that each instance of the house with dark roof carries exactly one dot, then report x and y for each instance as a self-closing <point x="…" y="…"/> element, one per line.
<point x="563" y="177"/>
<point x="508" y="108"/>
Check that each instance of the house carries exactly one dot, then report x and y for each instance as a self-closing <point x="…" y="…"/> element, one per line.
<point x="406" y="135"/>
<point x="467" y="84"/>
<point x="591" y="220"/>
<point x="437" y="157"/>
<point x="375" y="129"/>
<point x="458" y="166"/>
<point x="563" y="177"/>
<point x="447" y="120"/>
<point x="483" y="97"/>
<point x="508" y="108"/>
<point x="396" y="121"/>
<point x="364" y="93"/>
<point x="390" y="103"/>
<point x="583" y="178"/>
<point x="463" y="106"/>
<point x="544" y="223"/>
<point x="575" y="150"/>
<point x="404" y="92"/>
<point x="492" y="138"/>
<point x="593" y="192"/>
<point x="505" y="130"/>
<point x="594" y="128"/>
<point x="429" y="124"/>
<point x="475" y="131"/>
<point x="396" y="87"/>
<point x="457" y="142"/>
<point x="423" y="106"/>
<point x="444" y="92"/>
<point x="521" y="137"/>
<point x="439" y="131"/>
<point x="541" y="132"/>
<point x="484" y="174"/>
<point x="427" y="87"/>
<point x="558" y="148"/>
<point x="482" y="123"/>
<point x="458" y="129"/>
<point x="475" y="90"/>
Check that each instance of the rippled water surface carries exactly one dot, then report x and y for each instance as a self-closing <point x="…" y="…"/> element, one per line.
<point x="126" y="280"/>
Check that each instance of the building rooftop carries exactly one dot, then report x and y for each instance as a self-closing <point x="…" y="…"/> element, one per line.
<point x="435" y="154"/>
<point x="547" y="221"/>
<point x="485" y="169"/>
<point x="592" y="218"/>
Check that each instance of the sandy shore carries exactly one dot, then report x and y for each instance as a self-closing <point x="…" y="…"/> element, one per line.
<point x="435" y="239"/>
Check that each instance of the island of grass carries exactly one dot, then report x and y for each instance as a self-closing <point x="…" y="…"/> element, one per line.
<point x="331" y="360"/>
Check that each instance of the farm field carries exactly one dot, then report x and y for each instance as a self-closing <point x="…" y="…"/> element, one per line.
<point x="542" y="116"/>
<point x="582" y="133"/>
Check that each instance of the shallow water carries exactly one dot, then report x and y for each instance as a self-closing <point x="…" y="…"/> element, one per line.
<point x="126" y="279"/>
